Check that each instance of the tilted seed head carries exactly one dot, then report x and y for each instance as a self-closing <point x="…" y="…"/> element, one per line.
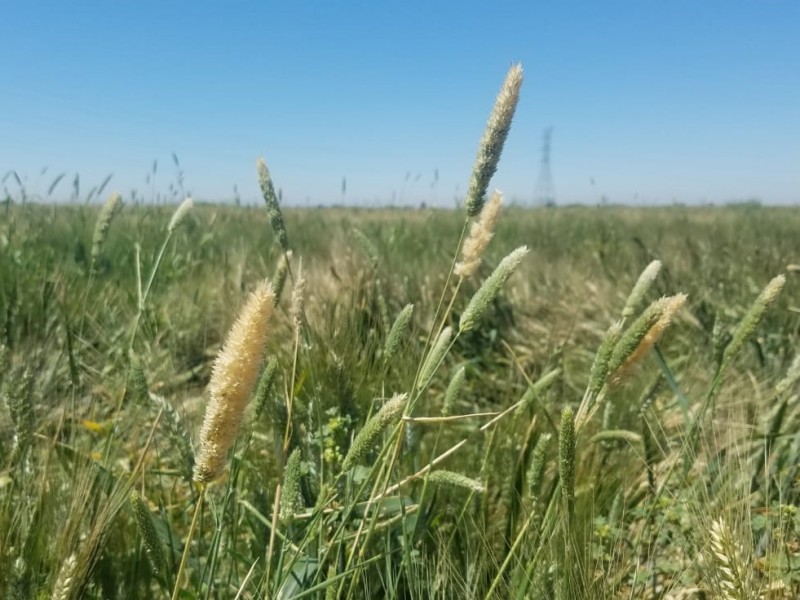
<point x="372" y="430"/>
<point x="180" y="214"/>
<point x="273" y="205"/>
<point x="480" y="234"/>
<point x="643" y="333"/>
<point x="753" y="317"/>
<point x="434" y="358"/>
<point x="494" y="137"/>
<point x="456" y="480"/>
<point x="639" y="290"/>
<point x="453" y="391"/>
<point x="232" y="380"/>
<point x="535" y="391"/>
<point x="490" y="288"/>
<point x="397" y="333"/>
<point x="367" y="246"/>
<point x="599" y="371"/>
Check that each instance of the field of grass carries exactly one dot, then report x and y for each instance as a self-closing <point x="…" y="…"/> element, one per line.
<point x="238" y="402"/>
<point x="681" y="480"/>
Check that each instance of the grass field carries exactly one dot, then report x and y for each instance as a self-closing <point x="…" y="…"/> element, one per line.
<point x="229" y="402"/>
<point x="679" y="485"/>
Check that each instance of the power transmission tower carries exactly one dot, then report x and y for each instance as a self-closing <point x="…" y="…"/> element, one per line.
<point x="545" y="194"/>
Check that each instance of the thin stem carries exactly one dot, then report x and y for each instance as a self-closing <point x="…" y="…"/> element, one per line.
<point x="188" y="545"/>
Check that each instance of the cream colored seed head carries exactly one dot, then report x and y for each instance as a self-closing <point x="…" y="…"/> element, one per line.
<point x="494" y="138"/>
<point x="233" y="377"/>
<point x="180" y="214"/>
<point x="480" y="234"/>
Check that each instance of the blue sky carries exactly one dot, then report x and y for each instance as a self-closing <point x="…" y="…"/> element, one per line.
<point x="650" y="101"/>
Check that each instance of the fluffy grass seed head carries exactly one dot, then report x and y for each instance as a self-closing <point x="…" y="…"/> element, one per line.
<point x="372" y="430"/>
<point x="456" y="480"/>
<point x="453" y="391"/>
<point x="753" y="317"/>
<point x="180" y="214"/>
<point x="233" y="377"/>
<point x="643" y="333"/>
<point x="480" y="234"/>
<point x="494" y="137"/>
<point x="490" y="288"/>
<point x="291" y="497"/>
<point x="643" y="284"/>
<point x="147" y="529"/>
<point x="110" y="209"/>
<point x="397" y="333"/>
<point x="434" y="358"/>
<point x="273" y="205"/>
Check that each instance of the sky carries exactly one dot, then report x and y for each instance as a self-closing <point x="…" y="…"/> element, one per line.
<point x="650" y="102"/>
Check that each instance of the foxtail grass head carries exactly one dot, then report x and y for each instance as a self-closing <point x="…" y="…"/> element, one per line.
<point x="273" y="205"/>
<point x="480" y="234"/>
<point x="233" y="377"/>
<point x="641" y="287"/>
<point x="180" y="214"/>
<point x="494" y="137"/>
<point x="642" y="335"/>
<point x="396" y="334"/>
<point x="753" y="317"/>
<point x="388" y="414"/>
<point x="457" y="481"/>
<point x="110" y="209"/>
<point x="490" y="288"/>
